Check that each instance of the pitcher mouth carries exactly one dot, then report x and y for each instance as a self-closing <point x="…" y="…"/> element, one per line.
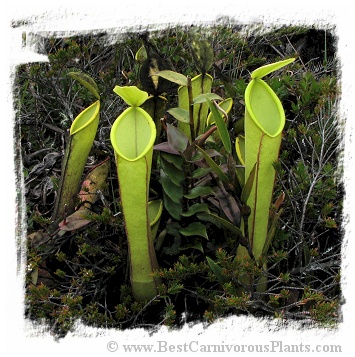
<point x="86" y="117"/>
<point x="264" y="107"/>
<point x="133" y="134"/>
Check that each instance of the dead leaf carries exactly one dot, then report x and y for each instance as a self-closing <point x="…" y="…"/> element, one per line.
<point x="38" y="238"/>
<point x="227" y="204"/>
<point x="94" y="181"/>
<point x="75" y="221"/>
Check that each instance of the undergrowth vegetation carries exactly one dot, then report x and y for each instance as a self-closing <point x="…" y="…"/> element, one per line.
<point x="84" y="273"/>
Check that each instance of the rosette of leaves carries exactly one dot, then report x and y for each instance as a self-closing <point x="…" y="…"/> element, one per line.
<point x="198" y="182"/>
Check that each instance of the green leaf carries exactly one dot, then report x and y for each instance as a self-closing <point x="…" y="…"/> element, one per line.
<point x="87" y="82"/>
<point x="204" y="97"/>
<point x="194" y="229"/>
<point x="196" y="208"/>
<point x="132" y="95"/>
<point x="240" y="175"/>
<point x="175" y="160"/>
<point x="172" y="190"/>
<point x="180" y="114"/>
<point x="172" y="76"/>
<point x="174" y="209"/>
<point x="222" y="176"/>
<point x="201" y="171"/>
<point x="213" y="218"/>
<point x="248" y="185"/>
<point x="221" y="126"/>
<point x="195" y="245"/>
<point x="217" y="271"/>
<point x="175" y="175"/>
<point x="199" y="191"/>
